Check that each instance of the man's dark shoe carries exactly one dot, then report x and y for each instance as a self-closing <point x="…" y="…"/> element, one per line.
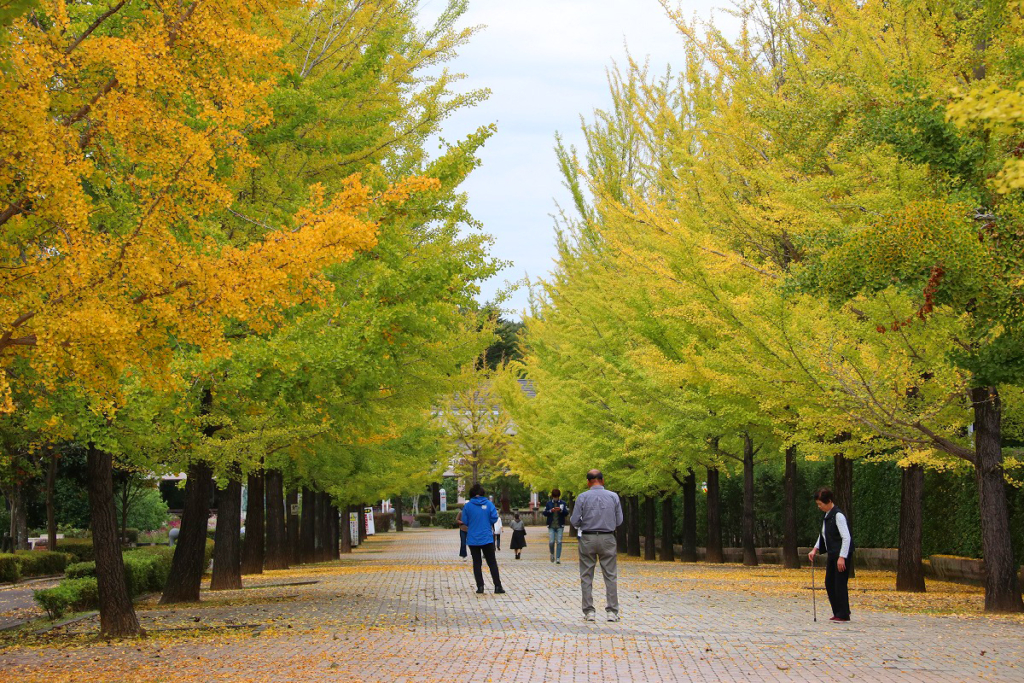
<point x="839" y="619"/>
<point x="499" y="590"/>
<point x="480" y="589"/>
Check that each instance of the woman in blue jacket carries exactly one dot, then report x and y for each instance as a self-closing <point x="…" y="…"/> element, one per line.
<point x="479" y="514"/>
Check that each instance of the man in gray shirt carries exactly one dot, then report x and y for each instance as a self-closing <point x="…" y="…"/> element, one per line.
<point x="597" y="513"/>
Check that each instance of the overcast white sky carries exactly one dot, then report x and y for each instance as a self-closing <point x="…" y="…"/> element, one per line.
<point x="545" y="62"/>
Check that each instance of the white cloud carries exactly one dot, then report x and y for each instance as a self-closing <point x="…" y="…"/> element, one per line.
<point x="545" y="62"/>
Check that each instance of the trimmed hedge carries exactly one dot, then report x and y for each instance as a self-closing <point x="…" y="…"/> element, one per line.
<point x="73" y="595"/>
<point x="446" y="519"/>
<point x="10" y="568"/>
<point x="42" y="562"/>
<point x="80" y="570"/>
<point x="14" y="566"/>
<point x="80" y="548"/>
<point x="423" y="519"/>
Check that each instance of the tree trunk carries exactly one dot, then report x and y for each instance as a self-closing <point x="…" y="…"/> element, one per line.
<point x="650" y="528"/>
<point x="294" y="545"/>
<point x="668" y="526"/>
<point x="1002" y="589"/>
<point x="277" y="533"/>
<point x="19" y="527"/>
<point x="227" y="551"/>
<point x="689" y="517"/>
<point x="399" y="511"/>
<point x="842" y="486"/>
<point x="790" y="554"/>
<point x="435" y="492"/>
<point x="51" y="508"/>
<point x="909" y="570"/>
<point x="253" y="549"/>
<point x="633" y="539"/>
<point x="335" y="532"/>
<point x="307" y="526"/>
<point x="188" y="563"/>
<point x="714" y="548"/>
<point x="346" y="529"/>
<point x="325" y="535"/>
<point x="117" y="615"/>
<point x="506" y="499"/>
<point x="749" y="550"/>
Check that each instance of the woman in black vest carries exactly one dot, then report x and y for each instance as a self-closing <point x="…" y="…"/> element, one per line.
<point x="835" y="540"/>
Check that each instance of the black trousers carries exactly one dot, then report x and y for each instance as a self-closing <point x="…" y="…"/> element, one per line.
<point x="835" y="586"/>
<point x="488" y="553"/>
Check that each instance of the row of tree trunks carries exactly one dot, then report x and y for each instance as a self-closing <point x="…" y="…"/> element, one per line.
<point x="277" y="533"/>
<point x="253" y="548"/>
<point x="346" y="530"/>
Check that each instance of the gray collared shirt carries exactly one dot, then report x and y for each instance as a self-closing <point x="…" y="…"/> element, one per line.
<point x="597" y="509"/>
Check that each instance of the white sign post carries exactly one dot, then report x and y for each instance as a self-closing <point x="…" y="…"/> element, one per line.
<point x="368" y="513"/>
<point x="444" y="501"/>
<point x="353" y="527"/>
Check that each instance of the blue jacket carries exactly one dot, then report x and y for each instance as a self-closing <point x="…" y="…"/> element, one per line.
<point x="479" y="514"/>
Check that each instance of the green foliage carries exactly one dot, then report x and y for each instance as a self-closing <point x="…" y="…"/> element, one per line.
<point x="446" y="519"/>
<point x="423" y="519"/>
<point x="80" y="548"/>
<point x="80" y="570"/>
<point x="42" y="562"/>
<point x="148" y="512"/>
<point x="71" y="595"/>
<point x="10" y="568"/>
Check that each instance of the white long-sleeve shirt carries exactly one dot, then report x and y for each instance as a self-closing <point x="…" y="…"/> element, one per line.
<point x="497" y="526"/>
<point x="844" y="532"/>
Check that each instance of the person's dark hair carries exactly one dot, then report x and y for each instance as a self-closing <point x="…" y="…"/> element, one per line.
<point x="824" y="494"/>
<point x="476" y="490"/>
<point x="556" y="493"/>
<point x="517" y="515"/>
<point x="595" y="474"/>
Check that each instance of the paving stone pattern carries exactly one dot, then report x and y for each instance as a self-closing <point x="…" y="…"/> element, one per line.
<point x="403" y="608"/>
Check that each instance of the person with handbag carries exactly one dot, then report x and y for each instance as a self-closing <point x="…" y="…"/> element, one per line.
<point x="518" y="527"/>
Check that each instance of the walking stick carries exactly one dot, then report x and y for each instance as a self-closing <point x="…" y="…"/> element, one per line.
<point x="814" y="598"/>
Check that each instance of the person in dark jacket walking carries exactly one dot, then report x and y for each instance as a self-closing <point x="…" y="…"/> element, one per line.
<point x="479" y="516"/>
<point x="836" y="540"/>
<point x="556" y="511"/>
<point x="463" y="529"/>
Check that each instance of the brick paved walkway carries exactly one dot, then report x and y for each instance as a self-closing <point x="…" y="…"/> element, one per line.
<point x="402" y="608"/>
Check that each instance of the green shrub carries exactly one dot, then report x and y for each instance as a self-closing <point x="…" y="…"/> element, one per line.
<point x="208" y="554"/>
<point x="10" y="568"/>
<point x="149" y="569"/>
<point x="423" y="519"/>
<point x="71" y="595"/>
<point x="131" y="536"/>
<point x="445" y="520"/>
<point x="80" y="570"/>
<point x="382" y="521"/>
<point x="80" y="548"/>
<point x="42" y="562"/>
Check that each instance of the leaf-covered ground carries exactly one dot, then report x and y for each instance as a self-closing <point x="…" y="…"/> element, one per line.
<point x="402" y="608"/>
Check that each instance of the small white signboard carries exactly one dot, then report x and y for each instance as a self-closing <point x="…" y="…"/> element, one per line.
<point x="353" y="526"/>
<point x="444" y="500"/>
<point x="368" y="513"/>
